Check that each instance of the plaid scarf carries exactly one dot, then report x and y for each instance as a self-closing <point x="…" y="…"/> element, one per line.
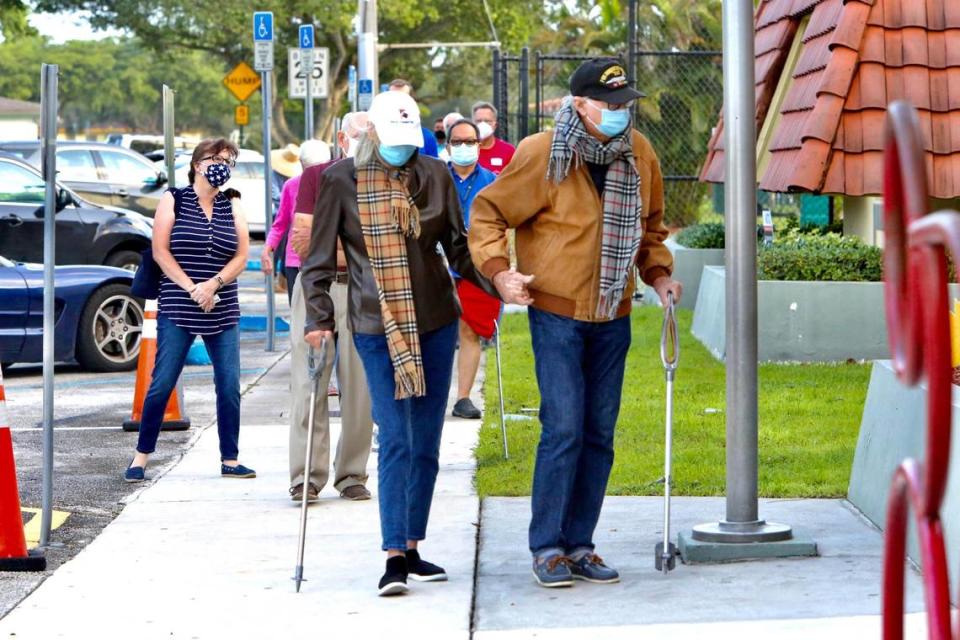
<point x="388" y="216"/>
<point x="622" y="226"/>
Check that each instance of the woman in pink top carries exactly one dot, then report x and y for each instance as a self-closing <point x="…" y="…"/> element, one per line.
<point x="311" y="152"/>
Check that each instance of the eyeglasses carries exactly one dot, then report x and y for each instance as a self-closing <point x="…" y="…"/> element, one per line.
<point x="459" y="143"/>
<point x="230" y="162"/>
<point x="612" y="107"/>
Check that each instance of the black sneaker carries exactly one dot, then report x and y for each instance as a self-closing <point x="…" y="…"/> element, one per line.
<point x="394" y="580"/>
<point x="465" y="409"/>
<point x="423" y="571"/>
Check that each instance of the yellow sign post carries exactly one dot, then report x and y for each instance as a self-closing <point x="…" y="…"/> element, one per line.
<point x="242" y="81"/>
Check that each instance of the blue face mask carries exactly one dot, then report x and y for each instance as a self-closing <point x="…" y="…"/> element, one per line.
<point x="613" y="123"/>
<point x="398" y="155"/>
<point x="464" y="156"/>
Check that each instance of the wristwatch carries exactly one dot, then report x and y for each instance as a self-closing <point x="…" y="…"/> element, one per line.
<point x="220" y="281"/>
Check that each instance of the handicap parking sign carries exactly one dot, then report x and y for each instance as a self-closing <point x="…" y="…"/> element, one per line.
<point x="263" y="25"/>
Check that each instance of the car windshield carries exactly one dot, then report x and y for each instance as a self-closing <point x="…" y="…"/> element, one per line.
<point x="5" y="263"/>
<point x="20" y="152"/>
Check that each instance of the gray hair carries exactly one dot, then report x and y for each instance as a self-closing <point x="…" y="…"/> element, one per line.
<point x="451" y="118"/>
<point x="346" y="123"/>
<point x="367" y="148"/>
<point x="483" y="105"/>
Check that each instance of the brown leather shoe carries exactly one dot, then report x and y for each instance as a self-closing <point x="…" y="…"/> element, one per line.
<point x="296" y="493"/>
<point x="355" y="492"/>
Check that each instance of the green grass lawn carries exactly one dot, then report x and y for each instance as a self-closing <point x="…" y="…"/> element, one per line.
<point x="809" y="419"/>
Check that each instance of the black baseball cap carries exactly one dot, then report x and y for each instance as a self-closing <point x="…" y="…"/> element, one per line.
<point x="605" y="79"/>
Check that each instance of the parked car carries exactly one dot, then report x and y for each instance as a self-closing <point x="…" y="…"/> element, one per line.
<point x="98" y="322"/>
<point x="86" y="233"/>
<point x="106" y="174"/>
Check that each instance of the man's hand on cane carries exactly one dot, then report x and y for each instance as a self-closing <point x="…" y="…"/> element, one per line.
<point x="315" y="338"/>
<point x="512" y="286"/>
<point x="665" y="284"/>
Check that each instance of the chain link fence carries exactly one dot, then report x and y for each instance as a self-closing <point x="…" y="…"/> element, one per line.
<point x="684" y="92"/>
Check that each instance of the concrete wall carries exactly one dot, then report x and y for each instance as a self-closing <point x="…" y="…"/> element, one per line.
<point x="799" y="321"/>
<point x="892" y="429"/>
<point x="687" y="268"/>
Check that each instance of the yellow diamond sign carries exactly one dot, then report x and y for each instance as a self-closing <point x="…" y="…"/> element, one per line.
<point x="242" y="81"/>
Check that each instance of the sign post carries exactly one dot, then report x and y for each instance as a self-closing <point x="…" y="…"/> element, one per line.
<point x="263" y="62"/>
<point x="352" y="87"/>
<point x="306" y="62"/>
<point x="49" y="106"/>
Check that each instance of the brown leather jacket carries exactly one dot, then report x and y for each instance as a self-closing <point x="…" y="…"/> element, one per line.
<point x="441" y="221"/>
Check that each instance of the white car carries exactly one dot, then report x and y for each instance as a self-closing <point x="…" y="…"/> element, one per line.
<point x="247" y="178"/>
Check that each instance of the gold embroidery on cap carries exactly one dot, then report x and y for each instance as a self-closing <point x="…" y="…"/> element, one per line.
<point x="614" y="77"/>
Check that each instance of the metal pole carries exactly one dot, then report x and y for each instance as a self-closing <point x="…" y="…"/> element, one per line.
<point x="168" y="130"/>
<point x="538" y="90"/>
<point x="632" y="40"/>
<point x="308" y="110"/>
<point x="524" y="92"/>
<point x="48" y="123"/>
<point x="268" y="197"/>
<point x="496" y="82"/>
<point x="742" y="522"/>
<point x="504" y="118"/>
<point x="367" y="60"/>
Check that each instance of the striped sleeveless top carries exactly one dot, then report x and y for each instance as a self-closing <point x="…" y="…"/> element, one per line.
<point x="202" y="248"/>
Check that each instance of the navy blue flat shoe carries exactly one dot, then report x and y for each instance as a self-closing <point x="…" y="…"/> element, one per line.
<point x="134" y="474"/>
<point x="238" y="471"/>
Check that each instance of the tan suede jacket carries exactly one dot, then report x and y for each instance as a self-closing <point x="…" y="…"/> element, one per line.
<point x="559" y="227"/>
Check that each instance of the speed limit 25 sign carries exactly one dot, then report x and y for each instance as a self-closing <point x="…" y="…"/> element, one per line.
<point x="297" y="85"/>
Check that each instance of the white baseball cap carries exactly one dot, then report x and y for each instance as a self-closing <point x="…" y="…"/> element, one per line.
<point x="396" y="118"/>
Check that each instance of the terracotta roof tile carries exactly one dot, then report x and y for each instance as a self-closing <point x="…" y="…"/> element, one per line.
<point x="814" y="56"/>
<point x="824" y="18"/>
<point x="857" y="56"/>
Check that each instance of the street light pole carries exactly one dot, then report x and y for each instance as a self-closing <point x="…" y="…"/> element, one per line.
<point x="368" y="67"/>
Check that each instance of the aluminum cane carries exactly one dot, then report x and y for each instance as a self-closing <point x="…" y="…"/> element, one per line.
<point x="503" y="420"/>
<point x="666" y="552"/>
<point x="315" y="371"/>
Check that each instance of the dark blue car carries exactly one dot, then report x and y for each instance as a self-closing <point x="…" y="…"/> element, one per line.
<point x="98" y="321"/>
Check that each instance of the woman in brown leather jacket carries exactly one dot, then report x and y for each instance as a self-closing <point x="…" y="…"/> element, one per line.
<point x="392" y="209"/>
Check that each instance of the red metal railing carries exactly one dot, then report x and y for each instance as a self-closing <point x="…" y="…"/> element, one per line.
<point x="915" y="274"/>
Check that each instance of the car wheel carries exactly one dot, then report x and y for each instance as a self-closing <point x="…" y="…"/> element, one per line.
<point x="124" y="259"/>
<point x="108" y="338"/>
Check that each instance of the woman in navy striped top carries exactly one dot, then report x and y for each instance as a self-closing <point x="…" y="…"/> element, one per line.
<point x="200" y="242"/>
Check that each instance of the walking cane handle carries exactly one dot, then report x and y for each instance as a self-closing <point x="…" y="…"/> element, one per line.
<point x="670" y="336"/>
<point x="315" y="368"/>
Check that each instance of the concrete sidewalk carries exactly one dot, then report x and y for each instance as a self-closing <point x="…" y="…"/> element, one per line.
<point x="198" y="556"/>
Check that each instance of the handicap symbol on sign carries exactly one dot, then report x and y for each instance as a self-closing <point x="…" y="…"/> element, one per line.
<point x="262" y="28"/>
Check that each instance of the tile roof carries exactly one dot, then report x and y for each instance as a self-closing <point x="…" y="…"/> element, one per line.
<point x="11" y="107"/>
<point x="856" y="57"/>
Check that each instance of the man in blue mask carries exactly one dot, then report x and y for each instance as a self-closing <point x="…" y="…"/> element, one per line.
<point x="480" y="310"/>
<point x="586" y="200"/>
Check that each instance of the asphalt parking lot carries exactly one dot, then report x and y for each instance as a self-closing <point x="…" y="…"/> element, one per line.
<point x="91" y="449"/>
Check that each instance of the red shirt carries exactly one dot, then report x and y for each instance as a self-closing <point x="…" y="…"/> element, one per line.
<point x="497" y="157"/>
<point x="309" y="185"/>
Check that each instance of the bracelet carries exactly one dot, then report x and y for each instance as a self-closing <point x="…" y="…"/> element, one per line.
<point x="220" y="280"/>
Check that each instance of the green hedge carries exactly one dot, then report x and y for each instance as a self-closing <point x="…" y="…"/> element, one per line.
<point x="708" y="235"/>
<point x="828" y="257"/>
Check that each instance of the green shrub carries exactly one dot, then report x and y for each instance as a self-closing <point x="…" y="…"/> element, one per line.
<point x="708" y="235"/>
<point x="829" y="257"/>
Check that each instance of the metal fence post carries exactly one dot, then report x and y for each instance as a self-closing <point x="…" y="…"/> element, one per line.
<point x="524" y="93"/>
<point x="496" y="83"/>
<point x="538" y="91"/>
<point x="48" y="125"/>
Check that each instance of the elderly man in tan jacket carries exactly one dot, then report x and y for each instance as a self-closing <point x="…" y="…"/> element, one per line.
<point x="586" y="201"/>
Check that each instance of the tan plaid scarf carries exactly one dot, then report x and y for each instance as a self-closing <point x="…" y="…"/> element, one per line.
<point x="388" y="215"/>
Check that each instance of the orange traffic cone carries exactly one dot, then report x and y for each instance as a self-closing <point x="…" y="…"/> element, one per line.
<point x="13" y="544"/>
<point x="173" y="418"/>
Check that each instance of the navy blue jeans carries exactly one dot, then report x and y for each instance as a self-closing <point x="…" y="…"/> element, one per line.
<point x="580" y="368"/>
<point x="173" y="344"/>
<point x="409" y="432"/>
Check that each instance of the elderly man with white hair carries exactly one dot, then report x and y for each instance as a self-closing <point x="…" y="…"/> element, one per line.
<point x="353" y="448"/>
<point x="390" y="207"/>
<point x="448" y="121"/>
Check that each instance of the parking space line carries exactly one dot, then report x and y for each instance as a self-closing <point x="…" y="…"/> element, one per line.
<point x="31" y="530"/>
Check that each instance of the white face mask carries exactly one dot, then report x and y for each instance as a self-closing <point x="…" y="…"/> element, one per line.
<point x="485" y="130"/>
<point x="352" y="144"/>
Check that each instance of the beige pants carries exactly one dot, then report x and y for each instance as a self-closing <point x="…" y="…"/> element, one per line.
<point x="353" y="448"/>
